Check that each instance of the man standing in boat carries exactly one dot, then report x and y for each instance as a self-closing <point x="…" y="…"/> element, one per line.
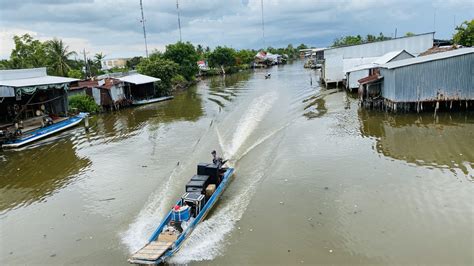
<point x="217" y="160"/>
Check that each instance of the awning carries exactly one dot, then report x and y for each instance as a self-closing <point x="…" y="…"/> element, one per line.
<point x="138" y="79"/>
<point x="27" y="81"/>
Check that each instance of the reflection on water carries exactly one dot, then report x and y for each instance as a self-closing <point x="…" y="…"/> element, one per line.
<point x="223" y="89"/>
<point x="421" y="139"/>
<point x="315" y="106"/>
<point x="34" y="174"/>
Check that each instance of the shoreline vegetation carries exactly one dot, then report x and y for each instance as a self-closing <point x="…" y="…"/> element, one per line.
<point x="181" y="64"/>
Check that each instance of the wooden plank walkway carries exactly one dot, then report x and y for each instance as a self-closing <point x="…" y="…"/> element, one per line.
<point x="152" y="251"/>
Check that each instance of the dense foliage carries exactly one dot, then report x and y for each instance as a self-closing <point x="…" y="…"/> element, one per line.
<point x="58" y="55"/>
<point x="83" y="103"/>
<point x="465" y="34"/>
<point x="185" y="55"/>
<point x="222" y="56"/>
<point x="53" y="54"/>
<point x="357" y="39"/>
<point x="157" y="66"/>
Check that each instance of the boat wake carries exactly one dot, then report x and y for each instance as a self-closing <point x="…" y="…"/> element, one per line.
<point x="206" y="241"/>
<point x="247" y="124"/>
<point x="147" y="220"/>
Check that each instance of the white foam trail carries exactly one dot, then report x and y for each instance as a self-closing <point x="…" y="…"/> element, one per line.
<point x="205" y="243"/>
<point x="260" y="141"/>
<point x="145" y="223"/>
<point x="247" y="124"/>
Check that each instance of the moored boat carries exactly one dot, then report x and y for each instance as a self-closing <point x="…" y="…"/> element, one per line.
<point x="202" y="192"/>
<point x="43" y="132"/>
<point x="153" y="100"/>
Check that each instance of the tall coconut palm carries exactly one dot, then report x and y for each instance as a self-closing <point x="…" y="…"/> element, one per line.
<point x="58" y="54"/>
<point x="98" y="57"/>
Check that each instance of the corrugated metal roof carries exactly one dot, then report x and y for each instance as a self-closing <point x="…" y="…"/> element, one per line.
<point x="29" y="77"/>
<point x="428" y="58"/>
<point x="138" y="79"/>
<point x="389" y="56"/>
<point x="351" y="63"/>
<point x="384" y="59"/>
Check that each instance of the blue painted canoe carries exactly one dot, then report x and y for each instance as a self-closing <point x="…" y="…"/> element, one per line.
<point x="154" y="100"/>
<point x="176" y="245"/>
<point x="43" y="132"/>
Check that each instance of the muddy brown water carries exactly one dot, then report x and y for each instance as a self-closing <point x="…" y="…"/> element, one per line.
<point x="318" y="180"/>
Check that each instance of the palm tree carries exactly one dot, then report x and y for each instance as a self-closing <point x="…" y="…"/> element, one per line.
<point x="98" y="59"/>
<point x="59" y="55"/>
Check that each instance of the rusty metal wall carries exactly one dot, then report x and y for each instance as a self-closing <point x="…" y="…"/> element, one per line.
<point x="447" y="79"/>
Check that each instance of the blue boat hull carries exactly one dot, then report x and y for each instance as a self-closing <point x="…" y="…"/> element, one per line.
<point x="184" y="235"/>
<point x="45" y="131"/>
<point x="154" y="100"/>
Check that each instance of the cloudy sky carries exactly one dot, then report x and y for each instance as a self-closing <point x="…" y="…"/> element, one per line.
<point x="113" y="26"/>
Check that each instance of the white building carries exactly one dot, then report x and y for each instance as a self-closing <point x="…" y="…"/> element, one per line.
<point x="363" y="70"/>
<point x="108" y="64"/>
<point x="334" y="58"/>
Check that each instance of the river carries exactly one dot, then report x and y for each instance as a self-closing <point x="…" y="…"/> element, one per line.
<point x="318" y="180"/>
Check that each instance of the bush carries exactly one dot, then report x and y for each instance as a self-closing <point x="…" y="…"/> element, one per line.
<point x="158" y="67"/>
<point x="83" y="103"/>
<point x="75" y="73"/>
<point x="185" y="55"/>
<point x="178" y="79"/>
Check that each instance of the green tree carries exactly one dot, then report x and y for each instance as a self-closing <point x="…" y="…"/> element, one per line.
<point x="381" y="37"/>
<point x="244" y="57"/>
<point x="4" y="64"/>
<point x="75" y="73"/>
<point x="409" y="34"/>
<point x="222" y="56"/>
<point x="199" y="49"/>
<point x="370" y="38"/>
<point x="185" y="56"/>
<point x="58" y="56"/>
<point x="348" y="40"/>
<point x="159" y="67"/>
<point x="98" y="58"/>
<point x="302" y="46"/>
<point x="27" y="53"/>
<point x="133" y="62"/>
<point x="465" y="34"/>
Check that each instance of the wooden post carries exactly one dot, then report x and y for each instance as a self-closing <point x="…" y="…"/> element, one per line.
<point x="86" y="122"/>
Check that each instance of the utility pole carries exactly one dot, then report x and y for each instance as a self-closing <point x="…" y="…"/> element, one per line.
<point x="263" y="26"/>
<point x="395" y="33"/>
<point x="85" y="62"/>
<point x="144" y="31"/>
<point x="179" y="21"/>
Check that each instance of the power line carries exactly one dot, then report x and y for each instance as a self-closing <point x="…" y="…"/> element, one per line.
<point x="144" y="31"/>
<point x="179" y="21"/>
<point x="263" y="26"/>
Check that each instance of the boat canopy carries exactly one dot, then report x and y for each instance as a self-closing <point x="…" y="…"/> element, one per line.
<point x="28" y="81"/>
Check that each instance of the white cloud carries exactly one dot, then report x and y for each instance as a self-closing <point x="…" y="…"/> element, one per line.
<point x="113" y="27"/>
